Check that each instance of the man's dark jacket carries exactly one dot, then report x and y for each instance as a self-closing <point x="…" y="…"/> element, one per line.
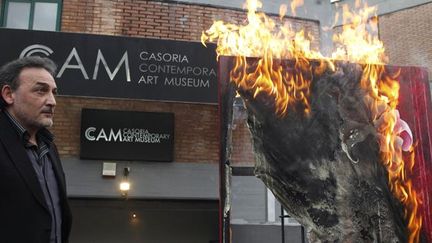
<point x="24" y="214"/>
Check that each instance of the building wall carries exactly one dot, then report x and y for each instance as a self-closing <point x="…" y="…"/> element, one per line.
<point x="196" y="126"/>
<point x="407" y="36"/>
<point x="195" y="136"/>
<point x="154" y="19"/>
<point x="242" y="150"/>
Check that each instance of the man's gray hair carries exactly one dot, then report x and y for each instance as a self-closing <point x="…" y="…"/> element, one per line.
<point x="10" y="71"/>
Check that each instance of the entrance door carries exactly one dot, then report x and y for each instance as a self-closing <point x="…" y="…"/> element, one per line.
<point x="139" y="221"/>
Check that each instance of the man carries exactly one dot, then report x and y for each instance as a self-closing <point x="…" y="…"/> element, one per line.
<point x="33" y="202"/>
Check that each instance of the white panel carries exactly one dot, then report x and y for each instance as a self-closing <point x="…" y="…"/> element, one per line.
<point x="271" y="213"/>
<point x="109" y="169"/>
<point x="18" y="15"/>
<point x="45" y="16"/>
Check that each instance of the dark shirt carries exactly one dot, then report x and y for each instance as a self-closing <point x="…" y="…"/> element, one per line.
<point x="42" y="164"/>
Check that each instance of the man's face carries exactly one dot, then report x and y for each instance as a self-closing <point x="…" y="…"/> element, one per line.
<point x="33" y="102"/>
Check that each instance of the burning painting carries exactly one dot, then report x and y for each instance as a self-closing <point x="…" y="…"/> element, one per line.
<point x="343" y="142"/>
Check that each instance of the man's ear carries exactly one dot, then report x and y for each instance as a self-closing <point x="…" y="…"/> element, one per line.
<point x="7" y="94"/>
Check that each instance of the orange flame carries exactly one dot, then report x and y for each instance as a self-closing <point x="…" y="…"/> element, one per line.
<point x="359" y="41"/>
<point x="268" y="40"/>
<point x="384" y="91"/>
<point x="294" y="5"/>
<point x="282" y="11"/>
<point x="265" y="38"/>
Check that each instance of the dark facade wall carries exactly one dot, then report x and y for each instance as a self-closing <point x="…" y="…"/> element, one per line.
<point x="266" y="233"/>
<point x="196" y="126"/>
<point x="111" y="221"/>
<point x="407" y="36"/>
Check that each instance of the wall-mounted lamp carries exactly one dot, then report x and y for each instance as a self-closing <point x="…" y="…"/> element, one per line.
<point x="134" y="219"/>
<point x="124" y="184"/>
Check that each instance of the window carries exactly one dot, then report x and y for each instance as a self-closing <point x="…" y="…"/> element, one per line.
<point x="31" y="14"/>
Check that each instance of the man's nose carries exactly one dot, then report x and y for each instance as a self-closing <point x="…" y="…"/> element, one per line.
<point x="51" y="99"/>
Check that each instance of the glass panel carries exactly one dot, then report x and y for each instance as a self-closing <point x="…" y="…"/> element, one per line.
<point x="18" y="15"/>
<point x="45" y="16"/>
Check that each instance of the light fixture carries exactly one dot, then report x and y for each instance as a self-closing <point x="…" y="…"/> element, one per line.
<point x="133" y="218"/>
<point x="124" y="184"/>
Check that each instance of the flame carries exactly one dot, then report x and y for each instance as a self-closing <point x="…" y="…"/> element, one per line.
<point x="267" y="39"/>
<point x="295" y="4"/>
<point x="384" y="90"/>
<point x="359" y="41"/>
<point x="282" y="11"/>
<point x="271" y="39"/>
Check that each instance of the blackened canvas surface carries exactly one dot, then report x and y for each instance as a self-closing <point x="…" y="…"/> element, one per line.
<point x="338" y="194"/>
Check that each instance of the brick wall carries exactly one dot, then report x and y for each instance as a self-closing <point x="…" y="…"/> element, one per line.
<point x="195" y="136"/>
<point x="407" y="36"/>
<point x="142" y="18"/>
<point x="154" y="19"/>
<point x="196" y="126"/>
<point x="242" y="150"/>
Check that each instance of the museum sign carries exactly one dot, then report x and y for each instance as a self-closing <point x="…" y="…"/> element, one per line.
<point x="127" y="135"/>
<point x="120" y="67"/>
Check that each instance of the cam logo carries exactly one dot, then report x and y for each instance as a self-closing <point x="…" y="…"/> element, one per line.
<point x="74" y="57"/>
<point x="36" y="48"/>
